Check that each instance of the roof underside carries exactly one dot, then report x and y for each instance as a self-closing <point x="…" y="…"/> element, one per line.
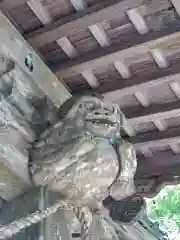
<point x="127" y="50"/>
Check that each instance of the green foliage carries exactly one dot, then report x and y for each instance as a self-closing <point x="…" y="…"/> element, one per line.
<point x="165" y="207"/>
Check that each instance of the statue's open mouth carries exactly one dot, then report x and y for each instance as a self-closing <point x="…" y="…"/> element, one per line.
<point x="103" y="121"/>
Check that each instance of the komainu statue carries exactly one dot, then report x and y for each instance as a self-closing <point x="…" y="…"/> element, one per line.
<point x="83" y="156"/>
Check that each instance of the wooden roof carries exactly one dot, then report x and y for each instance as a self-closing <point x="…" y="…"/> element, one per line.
<point x="127" y="50"/>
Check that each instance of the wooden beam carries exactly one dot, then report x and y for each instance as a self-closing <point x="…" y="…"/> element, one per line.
<point x="40" y="10"/>
<point x="170" y="137"/>
<point x="123" y="69"/>
<point x="161" y="163"/>
<point x="81" y="20"/>
<point x="153" y="139"/>
<point x="106" y="10"/>
<point x="160" y="124"/>
<point x="175" y="147"/>
<point x="152" y="113"/>
<point x="79" y="5"/>
<point x="128" y="128"/>
<point x="146" y="151"/>
<point x="18" y="49"/>
<point x="100" y="35"/>
<point x="176" y="89"/>
<point x="160" y="58"/>
<point x="117" y="89"/>
<point x="91" y="78"/>
<point x="176" y="4"/>
<point x="138" y="20"/>
<point x="153" y="4"/>
<point x="142" y="99"/>
<point x="8" y="4"/>
<point x="67" y="47"/>
<point x="137" y="46"/>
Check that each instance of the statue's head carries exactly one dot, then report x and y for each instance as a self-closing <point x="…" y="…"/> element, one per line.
<point x="100" y="117"/>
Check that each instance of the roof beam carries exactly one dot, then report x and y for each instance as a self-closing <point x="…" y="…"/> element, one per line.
<point x="115" y="90"/>
<point x="81" y="20"/>
<point x="118" y="89"/>
<point x="18" y="49"/>
<point x="91" y="78"/>
<point x="153" y="139"/>
<point x="177" y="6"/>
<point x="100" y="35"/>
<point x="128" y="128"/>
<point x="171" y="137"/>
<point x="176" y="89"/>
<point x="160" y="124"/>
<point x="175" y="147"/>
<point x="138" y="46"/>
<point x="138" y="20"/>
<point x="142" y="99"/>
<point x="106" y="10"/>
<point x="152" y="113"/>
<point x="11" y="4"/>
<point x="159" y="58"/>
<point x="153" y="4"/>
<point x="79" y="5"/>
<point x="67" y="47"/>
<point x="161" y="163"/>
<point x="41" y="12"/>
<point x="123" y="69"/>
<point x="146" y="151"/>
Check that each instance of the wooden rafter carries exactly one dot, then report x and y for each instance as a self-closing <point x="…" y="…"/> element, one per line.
<point x="153" y="139"/>
<point x="105" y="10"/>
<point x="114" y="90"/>
<point x="161" y="163"/>
<point x="134" y="84"/>
<point x="154" y="112"/>
<point x="138" y="46"/>
<point x="80" y="20"/>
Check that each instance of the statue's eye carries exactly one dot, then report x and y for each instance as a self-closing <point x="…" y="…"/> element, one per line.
<point x="89" y="105"/>
<point x="107" y="113"/>
<point x="97" y="113"/>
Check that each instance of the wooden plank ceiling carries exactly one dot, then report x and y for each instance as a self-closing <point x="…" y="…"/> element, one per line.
<point x="127" y="50"/>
